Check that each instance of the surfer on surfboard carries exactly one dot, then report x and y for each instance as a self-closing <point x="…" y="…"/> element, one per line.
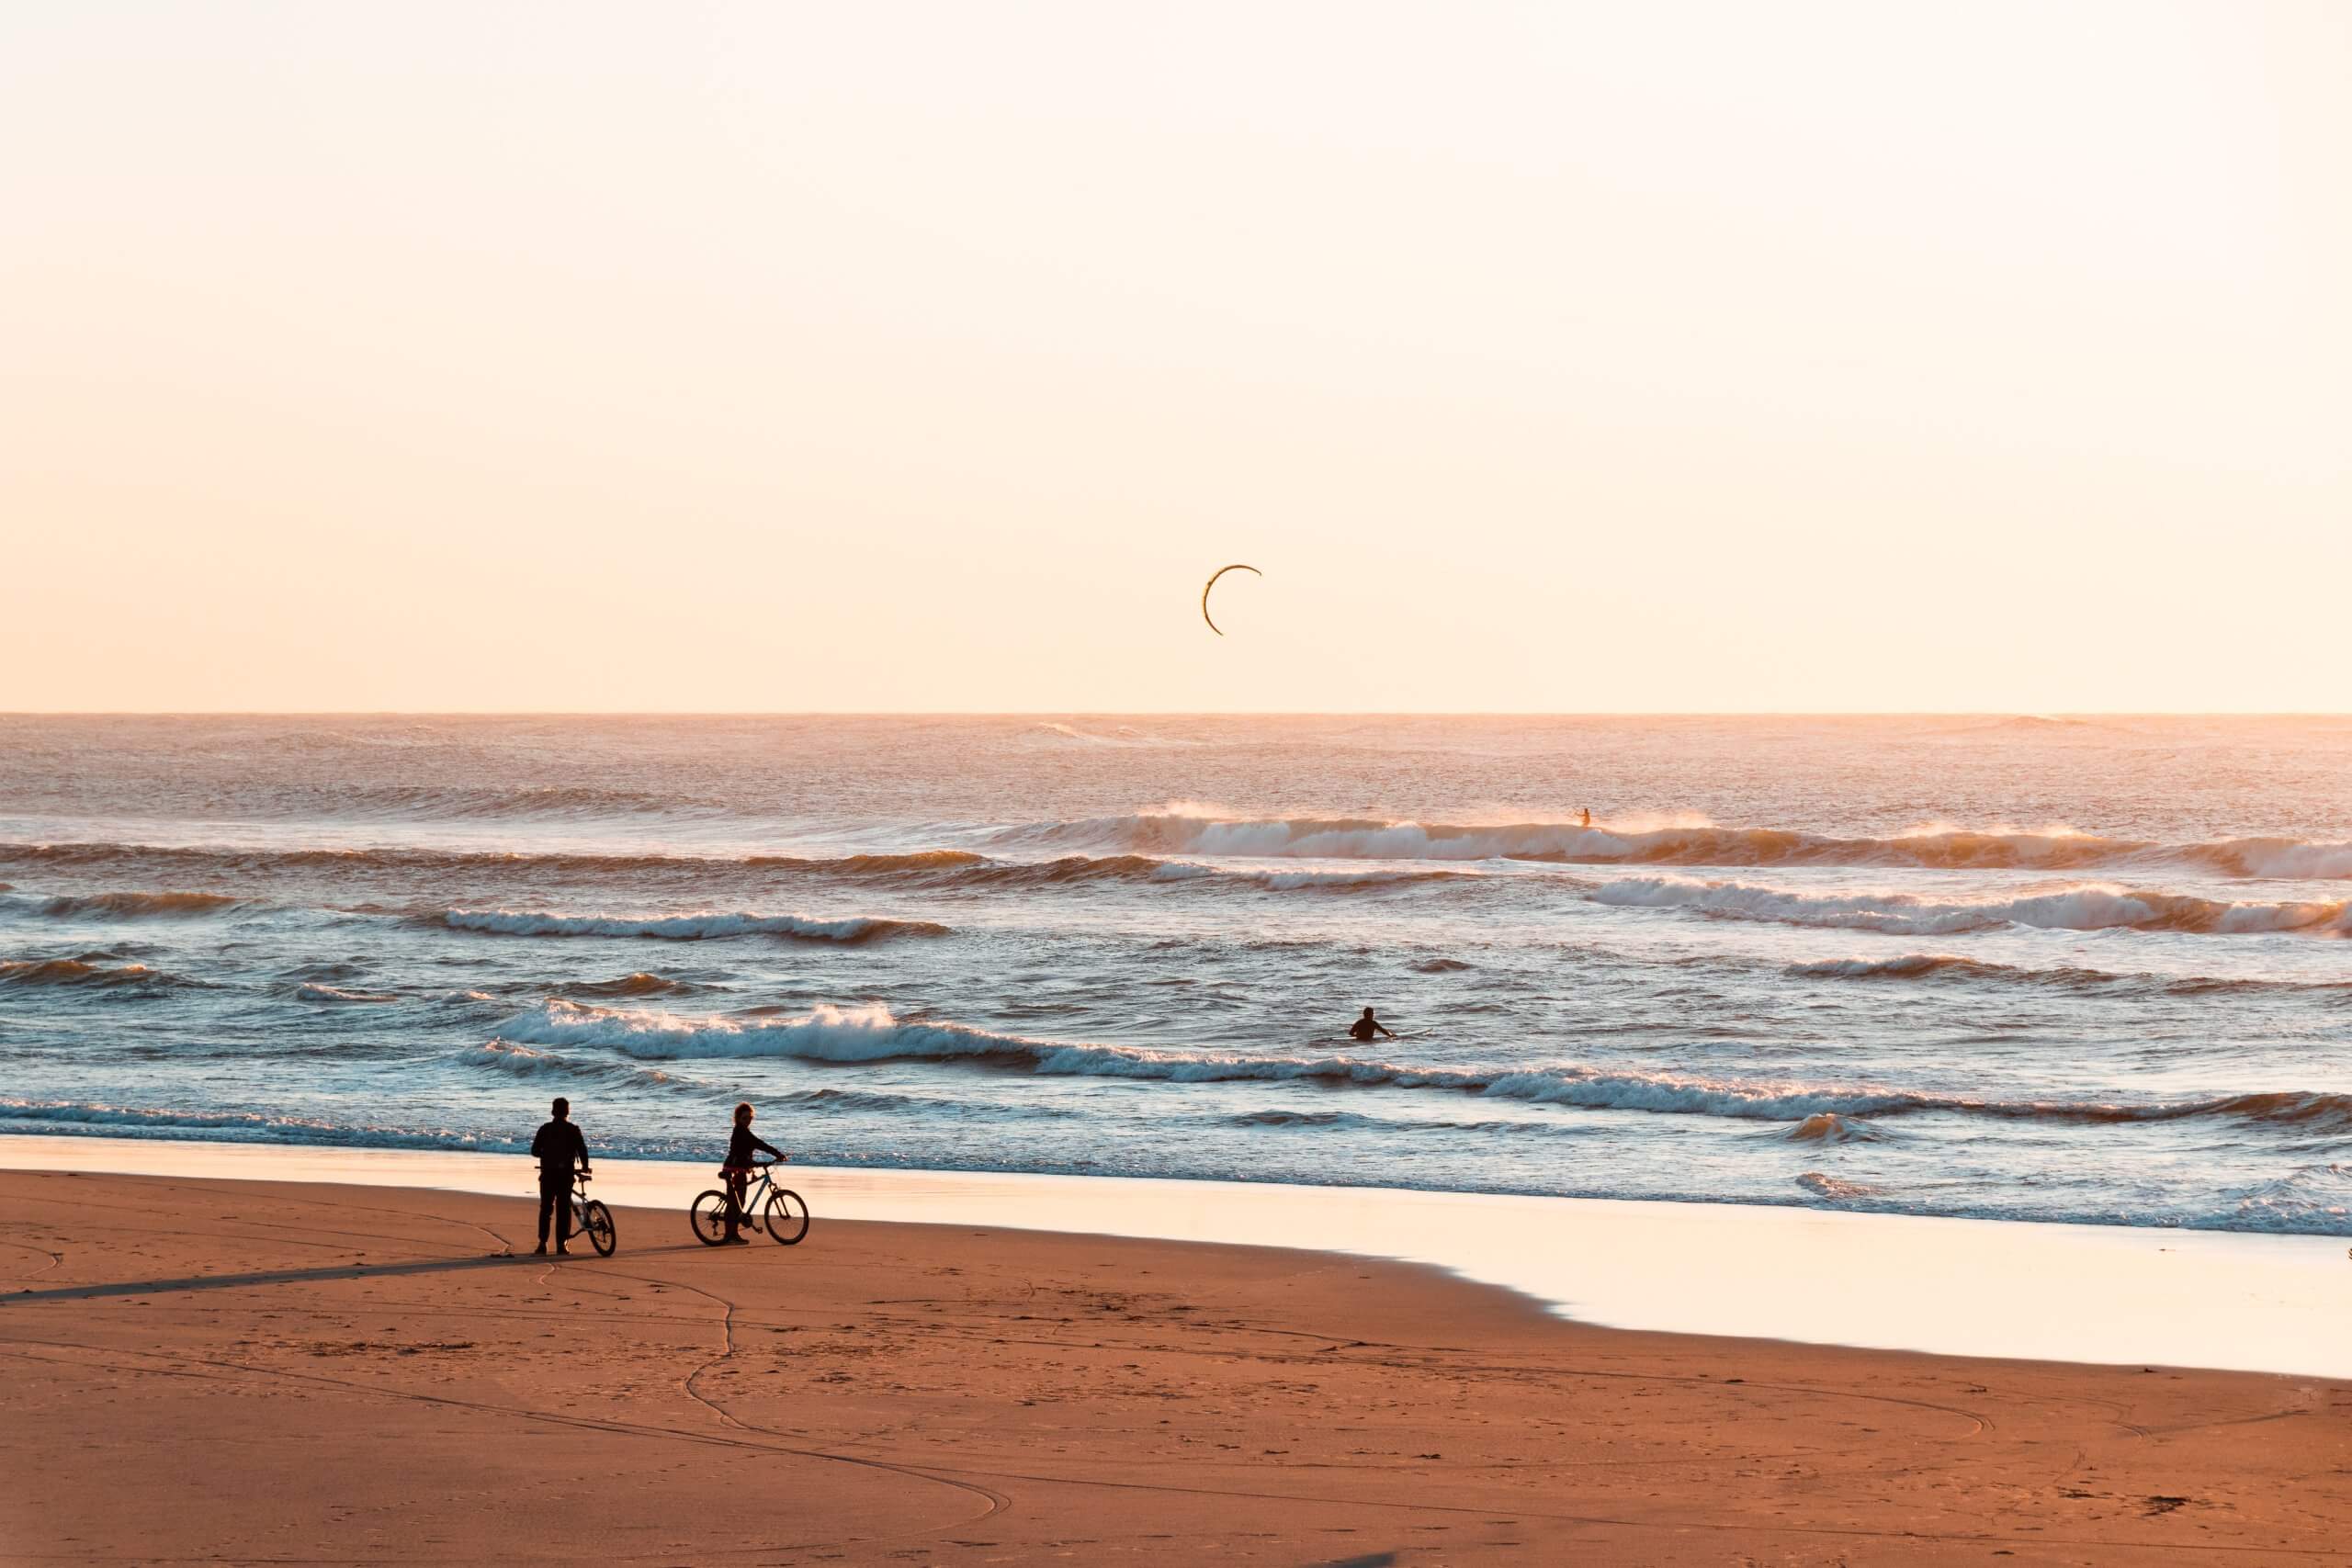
<point x="1366" y="1028"/>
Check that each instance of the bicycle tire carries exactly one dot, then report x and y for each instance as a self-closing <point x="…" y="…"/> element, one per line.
<point x="708" y="1215"/>
<point x="597" y="1221"/>
<point x="788" y="1216"/>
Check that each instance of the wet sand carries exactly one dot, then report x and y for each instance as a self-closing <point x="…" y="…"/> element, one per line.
<point x="204" y="1369"/>
<point x="2103" y="1294"/>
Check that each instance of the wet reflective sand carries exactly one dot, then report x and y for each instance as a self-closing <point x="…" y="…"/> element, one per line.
<point x="1959" y="1287"/>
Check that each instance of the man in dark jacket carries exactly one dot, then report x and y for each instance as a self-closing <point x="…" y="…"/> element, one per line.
<point x="560" y="1147"/>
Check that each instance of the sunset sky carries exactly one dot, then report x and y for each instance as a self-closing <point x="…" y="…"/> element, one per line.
<point x="1561" y="356"/>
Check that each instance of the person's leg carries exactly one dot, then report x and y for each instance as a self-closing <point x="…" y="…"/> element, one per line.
<point x="736" y="1182"/>
<point x="563" y="1217"/>
<point x="546" y="1208"/>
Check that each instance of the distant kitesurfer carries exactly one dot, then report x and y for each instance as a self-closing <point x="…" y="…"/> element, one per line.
<point x="1365" y="1028"/>
<point x="560" y="1147"/>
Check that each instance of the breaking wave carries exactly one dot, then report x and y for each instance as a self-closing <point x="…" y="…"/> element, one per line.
<point x="1345" y="838"/>
<point x="872" y="1033"/>
<point x="700" y="926"/>
<point x="1905" y="914"/>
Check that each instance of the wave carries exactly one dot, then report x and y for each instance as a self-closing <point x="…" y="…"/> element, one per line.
<point x="638" y="984"/>
<point x="1945" y="966"/>
<point x="1828" y="1127"/>
<point x="700" y="926"/>
<point x="919" y="862"/>
<point x="978" y="871"/>
<point x="96" y="977"/>
<point x="222" y="860"/>
<point x="1290" y="881"/>
<point x="137" y="906"/>
<point x="1346" y="838"/>
<point x="1904" y="914"/>
<point x="2314" y="1192"/>
<point x="872" y="1033"/>
<point x="930" y="869"/>
<point x="314" y="992"/>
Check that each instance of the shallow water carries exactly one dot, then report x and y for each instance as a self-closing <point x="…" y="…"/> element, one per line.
<point x="2015" y="968"/>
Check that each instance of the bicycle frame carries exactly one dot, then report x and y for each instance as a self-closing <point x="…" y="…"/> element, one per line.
<point x="756" y="1191"/>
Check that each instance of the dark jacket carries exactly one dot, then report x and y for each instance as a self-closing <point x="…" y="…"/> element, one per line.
<point x="739" y="1147"/>
<point x="560" y="1146"/>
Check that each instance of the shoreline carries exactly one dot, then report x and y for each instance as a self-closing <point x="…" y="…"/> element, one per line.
<point x="2045" y="1292"/>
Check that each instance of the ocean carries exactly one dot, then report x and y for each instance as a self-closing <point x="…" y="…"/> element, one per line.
<point x="2021" y="968"/>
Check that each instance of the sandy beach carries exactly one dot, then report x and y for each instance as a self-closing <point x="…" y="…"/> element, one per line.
<point x="262" y="1372"/>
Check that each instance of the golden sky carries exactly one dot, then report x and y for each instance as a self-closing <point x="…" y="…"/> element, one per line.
<point x="1874" y="355"/>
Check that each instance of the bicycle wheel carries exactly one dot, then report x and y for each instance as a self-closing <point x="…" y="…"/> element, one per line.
<point x="788" y="1216"/>
<point x="597" y="1221"/>
<point x="710" y="1217"/>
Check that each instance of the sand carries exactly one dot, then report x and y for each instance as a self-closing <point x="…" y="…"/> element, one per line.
<point x="257" y="1371"/>
<point x="2121" y="1294"/>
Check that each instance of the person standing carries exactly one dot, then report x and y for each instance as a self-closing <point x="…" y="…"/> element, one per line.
<point x="561" y="1149"/>
<point x="743" y="1143"/>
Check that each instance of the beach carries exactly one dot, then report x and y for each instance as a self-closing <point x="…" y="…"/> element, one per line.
<point x="1790" y="1166"/>
<point x="207" y="1370"/>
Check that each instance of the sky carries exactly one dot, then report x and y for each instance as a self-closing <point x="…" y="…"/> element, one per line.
<point x="1573" y="357"/>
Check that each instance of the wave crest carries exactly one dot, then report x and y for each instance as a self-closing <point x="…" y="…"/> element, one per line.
<point x="1949" y="849"/>
<point x="1905" y="914"/>
<point x="96" y="977"/>
<point x="872" y="1033"/>
<point x="705" y="926"/>
<point x="137" y="906"/>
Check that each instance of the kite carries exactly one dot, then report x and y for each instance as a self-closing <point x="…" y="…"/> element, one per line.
<point x="1211" y="584"/>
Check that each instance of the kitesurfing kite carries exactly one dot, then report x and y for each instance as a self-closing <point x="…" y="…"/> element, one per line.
<point x="1220" y="572"/>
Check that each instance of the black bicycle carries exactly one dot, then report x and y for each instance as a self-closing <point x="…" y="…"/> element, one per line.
<point x="590" y="1218"/>
<point x="786" y="1217"/>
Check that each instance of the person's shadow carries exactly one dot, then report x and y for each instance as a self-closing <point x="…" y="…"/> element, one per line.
<point x="297" y="1276"/>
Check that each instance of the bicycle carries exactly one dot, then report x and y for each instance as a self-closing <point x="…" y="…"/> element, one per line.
<point x="590" y="1218"/>
<point x="786" y="1215"/>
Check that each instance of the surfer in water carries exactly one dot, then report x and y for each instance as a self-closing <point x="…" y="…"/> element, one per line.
<point x="1367" y="1028"/>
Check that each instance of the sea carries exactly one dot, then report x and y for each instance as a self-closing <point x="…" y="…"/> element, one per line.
<point x="2021" y="967"/>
